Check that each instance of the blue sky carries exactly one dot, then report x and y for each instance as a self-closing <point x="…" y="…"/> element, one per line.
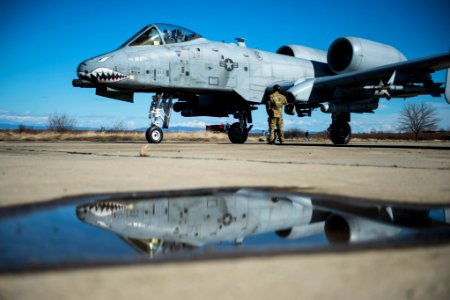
<point x="44" y="41"/>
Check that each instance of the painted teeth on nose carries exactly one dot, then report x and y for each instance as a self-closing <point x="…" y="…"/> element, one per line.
<point x="107" y="75"/>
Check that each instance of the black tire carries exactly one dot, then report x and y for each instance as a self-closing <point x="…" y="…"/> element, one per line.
<point x="340" y="133"/>
<point x="154" y="135"/>
<point x="236" y="134"/>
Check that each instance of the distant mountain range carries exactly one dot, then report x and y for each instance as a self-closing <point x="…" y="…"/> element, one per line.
<point x="175" y="128"/>
<point x="10" y="126"/>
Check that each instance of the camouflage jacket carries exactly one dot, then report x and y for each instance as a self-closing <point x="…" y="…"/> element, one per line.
<point x="275" y="105"/>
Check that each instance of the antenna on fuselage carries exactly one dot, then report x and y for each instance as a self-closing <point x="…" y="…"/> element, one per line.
<point x="241" y="42"/>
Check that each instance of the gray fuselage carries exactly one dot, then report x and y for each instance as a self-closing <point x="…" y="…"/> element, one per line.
<point x="199" y="65"/>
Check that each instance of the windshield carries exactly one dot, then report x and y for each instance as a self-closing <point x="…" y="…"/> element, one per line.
<point x="174" y="34"/>
<point x="159" y="34"/>
<point x="149" y="37"/>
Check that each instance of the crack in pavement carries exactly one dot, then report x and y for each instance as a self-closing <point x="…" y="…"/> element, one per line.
<point x="232" y="159"/>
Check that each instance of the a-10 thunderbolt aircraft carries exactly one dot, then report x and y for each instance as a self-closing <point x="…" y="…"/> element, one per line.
<point x="183" y="223"/>
<point x="218" y="79"/>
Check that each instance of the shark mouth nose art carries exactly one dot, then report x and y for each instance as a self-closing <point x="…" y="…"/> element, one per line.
<point x="102" y="75"/>
<point x="102" y="209"/>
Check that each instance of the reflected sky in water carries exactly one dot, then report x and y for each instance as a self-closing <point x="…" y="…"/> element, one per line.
<point x="145" y="227"/>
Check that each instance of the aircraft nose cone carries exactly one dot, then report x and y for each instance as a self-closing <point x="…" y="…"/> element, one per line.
<point x="82" y="70"/>
<point x="81" y="212"/>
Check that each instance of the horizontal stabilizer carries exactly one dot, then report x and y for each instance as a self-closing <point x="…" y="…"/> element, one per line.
<point x="447" y="87"/>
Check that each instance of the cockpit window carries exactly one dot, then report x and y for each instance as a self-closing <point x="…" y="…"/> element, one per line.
<point x="174" y="34"/>
<point x="150" y="37"/>
<point x="159" y="34"/>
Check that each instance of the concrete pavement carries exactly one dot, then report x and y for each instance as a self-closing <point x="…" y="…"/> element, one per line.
<point x="31" y="172"/>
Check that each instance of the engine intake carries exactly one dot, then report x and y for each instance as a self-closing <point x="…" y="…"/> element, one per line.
<point x="350" y="54"/>
<point x="340" y="229"/>
<point x="301" y="231"/>
<point x="304" y="53"/>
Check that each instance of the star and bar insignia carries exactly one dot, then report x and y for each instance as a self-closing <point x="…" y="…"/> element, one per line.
<point x="228" y="64"/>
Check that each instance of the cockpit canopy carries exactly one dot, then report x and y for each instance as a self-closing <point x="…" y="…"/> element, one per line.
<point x="161" y="34"/>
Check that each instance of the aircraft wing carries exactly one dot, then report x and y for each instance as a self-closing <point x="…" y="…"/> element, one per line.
<point x="395" y="80"/>
<point x="421" y="65"/>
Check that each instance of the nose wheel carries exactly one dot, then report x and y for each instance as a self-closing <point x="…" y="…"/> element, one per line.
<point x="154" y="135"/>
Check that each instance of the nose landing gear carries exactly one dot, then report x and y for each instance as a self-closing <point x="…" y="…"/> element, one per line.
<point x="160" y="110"/>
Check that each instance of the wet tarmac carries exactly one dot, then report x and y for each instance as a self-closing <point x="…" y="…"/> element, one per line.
<point x="156" y="227"/>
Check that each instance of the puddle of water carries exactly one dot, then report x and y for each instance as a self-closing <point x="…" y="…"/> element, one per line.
<point x="135" y="228"/>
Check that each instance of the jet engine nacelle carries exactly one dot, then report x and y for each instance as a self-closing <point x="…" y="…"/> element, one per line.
<point x="301" y="231"/>
<point x="304" y="53"/>
<point x="339" y="229"/>
<point x="349" y="54"/>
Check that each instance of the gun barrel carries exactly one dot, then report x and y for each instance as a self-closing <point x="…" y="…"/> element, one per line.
<point x="82" y="83"/>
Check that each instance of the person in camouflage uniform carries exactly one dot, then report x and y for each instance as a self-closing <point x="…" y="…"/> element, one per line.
<point x="274" y="109"/>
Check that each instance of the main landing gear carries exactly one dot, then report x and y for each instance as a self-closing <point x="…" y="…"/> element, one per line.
<point x="238" y="131"/>
<point x="340" y="131"/>
<point x="160" y="110"/>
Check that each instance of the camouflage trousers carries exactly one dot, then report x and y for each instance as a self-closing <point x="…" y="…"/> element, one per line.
<point x="278" y="123"/>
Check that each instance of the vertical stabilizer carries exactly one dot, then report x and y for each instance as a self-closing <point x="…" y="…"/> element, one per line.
<point x="447" y="87"/>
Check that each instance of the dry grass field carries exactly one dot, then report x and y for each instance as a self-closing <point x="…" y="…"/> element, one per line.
<point x="196" y="136"/>
<point x="109" y="136"/>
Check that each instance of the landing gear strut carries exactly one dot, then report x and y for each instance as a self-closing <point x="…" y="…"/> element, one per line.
<point x="160" y="110"/>
<point x="340" y="131"/>
<point x="238" y="131"/>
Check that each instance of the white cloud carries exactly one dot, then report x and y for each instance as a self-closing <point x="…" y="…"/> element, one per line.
<point x="443" y="113"/>
<point x="442" y="108"/>
<point x="382" y="106"/>
<point x="191" y="123"/>
<point x="374" y="122"/>
<point x="23" y="119"/>
<point x="108" y="122"/>
<point x="131" y="124"/>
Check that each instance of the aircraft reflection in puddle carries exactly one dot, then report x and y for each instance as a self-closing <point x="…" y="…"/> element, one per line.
<point x="167" y="225"/>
